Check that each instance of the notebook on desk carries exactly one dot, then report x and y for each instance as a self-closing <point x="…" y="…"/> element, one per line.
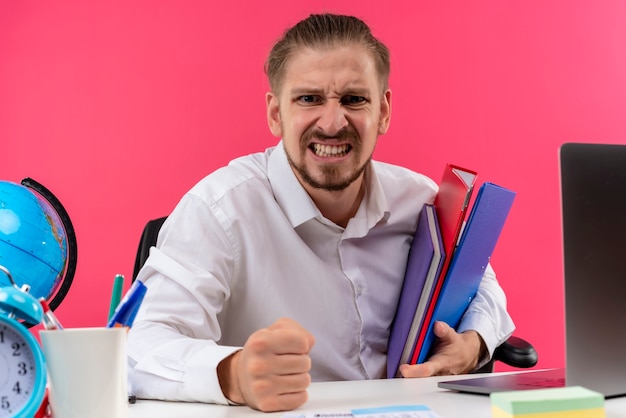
<point x="593" y="210"/>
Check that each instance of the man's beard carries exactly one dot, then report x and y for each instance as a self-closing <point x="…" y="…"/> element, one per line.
<point x="331" y="173"/>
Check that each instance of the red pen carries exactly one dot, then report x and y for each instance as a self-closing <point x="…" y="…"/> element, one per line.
<point x="50" y="321"/>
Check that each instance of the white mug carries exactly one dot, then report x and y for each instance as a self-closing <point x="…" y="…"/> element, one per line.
<point x="87" y="372"/>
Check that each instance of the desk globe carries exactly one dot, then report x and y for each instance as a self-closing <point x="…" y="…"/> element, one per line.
<point x="37" y="240"/>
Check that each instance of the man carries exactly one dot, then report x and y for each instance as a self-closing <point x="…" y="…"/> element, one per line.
<point x="286" y="266"/>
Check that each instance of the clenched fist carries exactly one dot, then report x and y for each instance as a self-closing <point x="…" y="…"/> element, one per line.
<point x="271" y="372"/>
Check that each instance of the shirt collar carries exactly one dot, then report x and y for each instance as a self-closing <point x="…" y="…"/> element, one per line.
<point x="373" y="209"/>
<point x="289" y="193"/>
<point x="300" y="208"/>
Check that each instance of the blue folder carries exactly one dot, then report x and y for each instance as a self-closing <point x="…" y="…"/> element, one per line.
<point x="469" y="260"/>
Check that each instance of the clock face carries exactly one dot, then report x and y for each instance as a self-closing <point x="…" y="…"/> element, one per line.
<point x="22" y="377"/>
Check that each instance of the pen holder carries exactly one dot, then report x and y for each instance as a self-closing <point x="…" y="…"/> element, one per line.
<point x="87" y="370"/>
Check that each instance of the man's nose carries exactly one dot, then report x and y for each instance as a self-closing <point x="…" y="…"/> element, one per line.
<point x="332" y="118"/>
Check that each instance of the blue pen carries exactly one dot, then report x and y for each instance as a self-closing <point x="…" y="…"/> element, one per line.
<point x="125" y="313"/>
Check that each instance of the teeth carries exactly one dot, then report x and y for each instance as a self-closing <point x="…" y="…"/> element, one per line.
<point x="330" y="150"/>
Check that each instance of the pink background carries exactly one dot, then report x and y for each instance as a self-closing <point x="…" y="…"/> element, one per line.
<point x="119" y="107"/>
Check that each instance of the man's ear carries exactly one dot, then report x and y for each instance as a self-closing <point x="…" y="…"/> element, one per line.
<point x="385" y="113"/>
<point x="273" y="114"/>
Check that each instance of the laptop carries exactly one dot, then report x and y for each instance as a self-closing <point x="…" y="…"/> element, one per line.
<point x="593" y="209"/>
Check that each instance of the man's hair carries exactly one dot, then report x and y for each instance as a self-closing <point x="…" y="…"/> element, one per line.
<point x="320" y="31"/>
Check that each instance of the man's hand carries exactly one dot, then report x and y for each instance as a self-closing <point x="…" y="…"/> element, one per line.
<point x="454" y="354"/>
<point x="271" y="373"/>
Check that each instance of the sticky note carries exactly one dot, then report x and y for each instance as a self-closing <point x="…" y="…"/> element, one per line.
<point x="570" y="402"/>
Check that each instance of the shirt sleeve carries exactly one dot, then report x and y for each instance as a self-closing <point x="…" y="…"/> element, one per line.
<point x="487" y="314"/>
<point x="173" y="352"/>
<point x="178" y="369"/>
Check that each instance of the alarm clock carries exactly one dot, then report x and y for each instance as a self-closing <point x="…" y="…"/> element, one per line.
<point x="22" y="364"/>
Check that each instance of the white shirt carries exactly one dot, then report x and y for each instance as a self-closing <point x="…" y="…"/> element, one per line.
<point x="247" y="246"/>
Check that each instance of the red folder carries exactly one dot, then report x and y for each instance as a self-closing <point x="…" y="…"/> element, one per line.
<point x="451" y="202"/>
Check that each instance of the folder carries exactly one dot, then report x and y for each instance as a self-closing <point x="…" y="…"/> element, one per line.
<point x="468" y="263"/>
<point x="423" y="267"/>
<point x="451" y="202"/>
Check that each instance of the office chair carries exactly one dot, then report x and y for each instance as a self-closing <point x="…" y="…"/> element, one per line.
<point x="514" y="352"/>
<point x="148" y="239"/>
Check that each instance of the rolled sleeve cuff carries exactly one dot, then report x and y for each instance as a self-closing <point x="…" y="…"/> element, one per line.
<point x="201" y="381"/>
<point x="492" y="336"/>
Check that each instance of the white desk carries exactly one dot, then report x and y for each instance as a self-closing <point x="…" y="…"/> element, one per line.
<point x="343" y="396"/>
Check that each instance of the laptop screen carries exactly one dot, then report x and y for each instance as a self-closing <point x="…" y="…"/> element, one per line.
<point x="593" y="205"/>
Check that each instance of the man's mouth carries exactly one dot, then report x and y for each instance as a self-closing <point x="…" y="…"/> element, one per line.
<point x="324" y="150"/>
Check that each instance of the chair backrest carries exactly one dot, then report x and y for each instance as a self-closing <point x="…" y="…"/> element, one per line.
<point x="148" y="239"/>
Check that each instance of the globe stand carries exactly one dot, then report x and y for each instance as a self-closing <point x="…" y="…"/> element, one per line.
<point x="72" y="250"/>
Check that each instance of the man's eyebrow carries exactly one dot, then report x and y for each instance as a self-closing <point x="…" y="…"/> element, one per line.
<point x="357" y="91"/>
<point x="349" y="91"/>
<point x="305" y="91"/>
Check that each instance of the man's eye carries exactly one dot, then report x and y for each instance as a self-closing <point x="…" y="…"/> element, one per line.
<point x="309" y="98"/>
<point x="352" y="100"/>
